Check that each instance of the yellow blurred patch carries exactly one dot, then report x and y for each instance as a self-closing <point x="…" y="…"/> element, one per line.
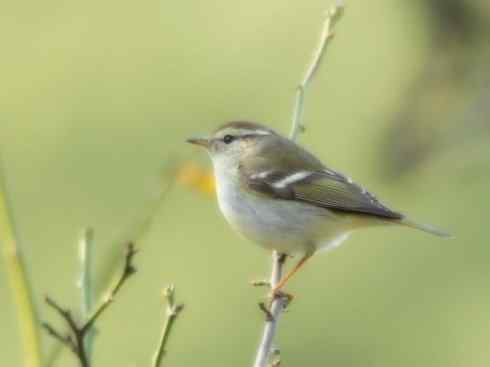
<point x="196" y="177"/>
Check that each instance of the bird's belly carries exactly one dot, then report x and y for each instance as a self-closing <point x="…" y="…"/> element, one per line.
<point x="283" y="225"/>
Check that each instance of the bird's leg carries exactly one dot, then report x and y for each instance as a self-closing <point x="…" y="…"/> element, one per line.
<point x="276" y="290"/>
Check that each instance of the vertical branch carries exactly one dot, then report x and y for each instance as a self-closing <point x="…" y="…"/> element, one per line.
<point x="272" y="316"/>
<point x="279" y="303"/>
<point x="173" y="311"/>
<point x="19" y="281"/>
<point x="87" y="255"/>
<point x="331" y="18"/>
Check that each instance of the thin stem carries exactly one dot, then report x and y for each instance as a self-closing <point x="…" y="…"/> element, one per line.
<point x="172" y="313"/>
<point x="87" y="255"/>
<point x="272" y="318"/>
<point x="297" y="126"/>
<point x="331" y="18"/>
<point x="128" y="270"/>
<point x="63" y="339"/>
<point x="20" y="283"/>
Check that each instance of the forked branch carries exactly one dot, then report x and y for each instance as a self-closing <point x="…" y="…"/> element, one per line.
<point x="173" y="311"/>
<point x="77" y="332"/>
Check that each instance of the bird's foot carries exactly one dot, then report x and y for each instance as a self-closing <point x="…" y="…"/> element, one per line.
<point x="266" y="307"/>
<point x="287" y="298"/>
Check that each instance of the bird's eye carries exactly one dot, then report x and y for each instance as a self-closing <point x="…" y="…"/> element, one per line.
<point x="228" y="139"/>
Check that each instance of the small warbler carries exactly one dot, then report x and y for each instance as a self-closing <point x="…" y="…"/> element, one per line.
<point x="282" y="197"/>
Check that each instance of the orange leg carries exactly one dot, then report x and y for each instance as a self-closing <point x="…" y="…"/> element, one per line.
<point x="289" y="275"/>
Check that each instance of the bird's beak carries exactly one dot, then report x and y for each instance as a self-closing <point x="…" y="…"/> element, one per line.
<point x="204" y="142"/>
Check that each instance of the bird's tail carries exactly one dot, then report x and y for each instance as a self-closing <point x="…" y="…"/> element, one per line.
<point x="425" y="227"/>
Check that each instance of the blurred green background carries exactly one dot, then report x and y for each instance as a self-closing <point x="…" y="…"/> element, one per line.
<point x="96" y="97"/>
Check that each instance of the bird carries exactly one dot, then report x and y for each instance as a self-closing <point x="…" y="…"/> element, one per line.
<point x="280" y="196"/>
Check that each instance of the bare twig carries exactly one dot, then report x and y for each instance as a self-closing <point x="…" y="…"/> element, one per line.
<point x="19" y="280"/>
<point x="272" y="315"/>
<point x="332" y="17"/>
<point x="128" y="270"/>
<point x="173" y="311"/>
<point x="261" y="283"/>
<point x="75" y="342"/>
<point x="63" y="339"/>
<point x="75" y="338"/>
<point x="279" y="303"/>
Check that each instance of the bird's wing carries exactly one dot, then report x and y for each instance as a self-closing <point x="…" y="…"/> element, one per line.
<point x="323" y="188"/>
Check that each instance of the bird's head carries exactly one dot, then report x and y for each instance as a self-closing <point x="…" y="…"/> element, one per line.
<point x="235" y="140"/>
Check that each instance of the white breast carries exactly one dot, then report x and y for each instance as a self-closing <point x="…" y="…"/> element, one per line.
<point x="283" y="225"/>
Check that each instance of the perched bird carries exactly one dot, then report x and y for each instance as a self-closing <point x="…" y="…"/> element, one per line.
<point x="280" y="196"/>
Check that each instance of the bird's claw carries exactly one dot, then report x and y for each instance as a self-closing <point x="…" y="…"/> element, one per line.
<point x="287" y="298"/>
